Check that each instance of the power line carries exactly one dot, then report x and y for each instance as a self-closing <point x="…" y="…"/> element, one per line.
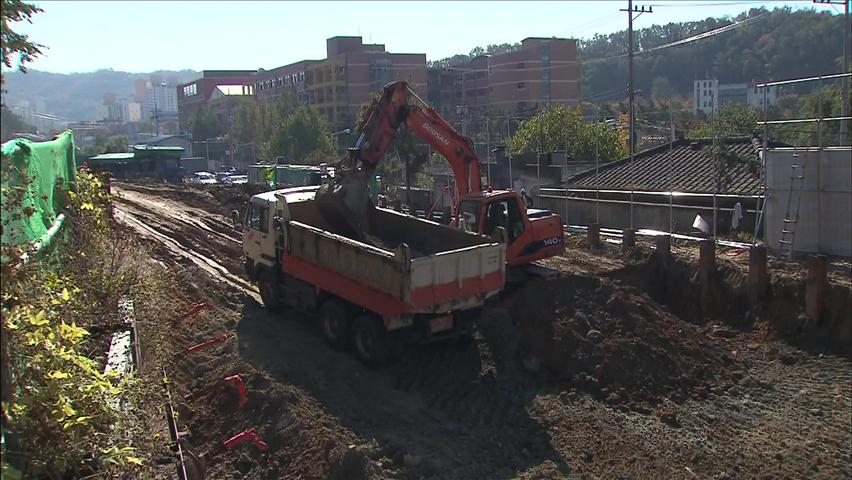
<point x="694" y="38"/>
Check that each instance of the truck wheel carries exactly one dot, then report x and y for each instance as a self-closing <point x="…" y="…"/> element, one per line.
<point x="335" y="322"/>
<point x="370" y="340"/>
<point x="269" y="291"/>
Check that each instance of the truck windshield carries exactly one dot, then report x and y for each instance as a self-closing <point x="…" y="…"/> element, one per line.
<point x="469" y="215"/>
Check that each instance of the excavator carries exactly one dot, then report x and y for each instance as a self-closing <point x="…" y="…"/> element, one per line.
<point x="530" y="234"/>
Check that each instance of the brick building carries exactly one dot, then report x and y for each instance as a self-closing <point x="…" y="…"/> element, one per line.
<point x="541" y="72"/>
<point x="197" y="94"/>
<point x="347" y="78"/>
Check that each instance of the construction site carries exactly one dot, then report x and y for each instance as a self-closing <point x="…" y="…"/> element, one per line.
<point x="589" y="299"/>
<point x="613" y="367"/>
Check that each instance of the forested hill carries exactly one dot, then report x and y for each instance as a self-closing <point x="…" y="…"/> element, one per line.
<point x="74" y="96"/>
<point x="779" y="44"/>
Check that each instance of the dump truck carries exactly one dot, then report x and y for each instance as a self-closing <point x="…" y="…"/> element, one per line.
<point x="413" y="281"/>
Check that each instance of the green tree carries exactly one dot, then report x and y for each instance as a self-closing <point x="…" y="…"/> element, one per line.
<point x="303" y="136"/>
<point x="782" y="43"/>
<point x="204" y="125"/>
<point x="732" y="120"/>
<point x="562" y="128"/>
<point x="15" y="48"/>
<point x="661" y="88"/>
<point x="11" y="123"/>
<point x="116" y="144"/>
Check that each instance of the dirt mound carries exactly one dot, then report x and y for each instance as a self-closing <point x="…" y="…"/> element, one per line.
<point x="616" y="342"/>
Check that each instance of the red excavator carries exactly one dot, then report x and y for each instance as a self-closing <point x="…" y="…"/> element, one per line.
<point x="532" y="233"/>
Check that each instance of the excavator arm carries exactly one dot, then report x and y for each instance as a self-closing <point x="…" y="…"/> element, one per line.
<point x="394" y="110"/>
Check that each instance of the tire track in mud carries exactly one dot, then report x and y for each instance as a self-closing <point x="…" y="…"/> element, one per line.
<point x="179" y="213"/>
<point x="174" y="246"/>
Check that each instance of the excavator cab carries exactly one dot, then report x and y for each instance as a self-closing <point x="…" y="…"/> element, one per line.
<point x="529" y="237"/>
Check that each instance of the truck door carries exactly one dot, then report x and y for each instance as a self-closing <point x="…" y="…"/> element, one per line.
<point x="258" y="238"/>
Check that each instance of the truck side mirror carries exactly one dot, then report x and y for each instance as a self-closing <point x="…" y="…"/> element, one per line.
<point x="499" y="235"/>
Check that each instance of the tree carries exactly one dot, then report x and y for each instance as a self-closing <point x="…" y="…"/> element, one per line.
<point x="11" y="123"/>
<point x="13" y="44"/>
<point x="732" y="120"/>
<point x="661" y="88"/>
<point x="204" y="125"/>
<point x="302" y="136"/>
<point x="116" y="144"/>
<point x="782" y="43"/>
<point x="562" y="128"/>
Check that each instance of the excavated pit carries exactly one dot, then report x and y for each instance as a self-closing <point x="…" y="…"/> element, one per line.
<point x="616" y="342"/>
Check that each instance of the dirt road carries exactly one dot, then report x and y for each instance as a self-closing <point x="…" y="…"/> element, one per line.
<point x="468" y="410"/>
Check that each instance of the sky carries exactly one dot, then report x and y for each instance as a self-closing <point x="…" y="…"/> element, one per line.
<point x="175" y="35"/>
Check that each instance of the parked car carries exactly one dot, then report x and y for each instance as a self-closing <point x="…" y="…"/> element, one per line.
<point x="202" y="178"/>
<point x="235" y="180"/>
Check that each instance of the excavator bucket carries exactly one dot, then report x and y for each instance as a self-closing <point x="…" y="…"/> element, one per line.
<point x="345" y="203"/>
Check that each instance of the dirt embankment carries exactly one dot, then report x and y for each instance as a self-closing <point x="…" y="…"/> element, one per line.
<point x="617" y="343"/>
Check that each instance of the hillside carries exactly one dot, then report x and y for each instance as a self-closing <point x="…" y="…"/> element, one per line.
<point x="780" y="44"/>
<point x="74" y="96"/>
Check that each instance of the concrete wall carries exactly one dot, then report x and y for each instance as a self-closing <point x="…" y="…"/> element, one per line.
<point x="616" y="214"/>
<point x="825" y="211"/>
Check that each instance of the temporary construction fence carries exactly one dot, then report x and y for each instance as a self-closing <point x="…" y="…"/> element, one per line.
<point x="36" y="176"/>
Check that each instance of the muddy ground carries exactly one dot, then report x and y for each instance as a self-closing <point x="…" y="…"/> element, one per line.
<point x="662" y="389"/>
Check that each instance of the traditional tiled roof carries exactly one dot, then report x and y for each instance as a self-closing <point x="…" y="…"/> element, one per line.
<point x="684" y="165"/>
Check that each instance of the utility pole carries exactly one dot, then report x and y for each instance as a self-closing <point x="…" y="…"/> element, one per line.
<point x="847" y="49"/>
<point x="488" y="150"/>
<point x="631" y="90"/>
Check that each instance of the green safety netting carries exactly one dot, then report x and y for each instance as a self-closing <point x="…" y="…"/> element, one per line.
<point x="42" y="172"/>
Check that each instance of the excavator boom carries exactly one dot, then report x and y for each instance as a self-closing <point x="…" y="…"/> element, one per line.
<point x="394" y="110"/>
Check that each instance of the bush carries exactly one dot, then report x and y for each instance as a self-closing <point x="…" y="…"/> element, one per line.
<point x="63" y="409"/>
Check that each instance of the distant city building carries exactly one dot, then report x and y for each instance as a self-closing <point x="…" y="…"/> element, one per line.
<point x="541" y="72"/>
<point x="348" y="77"/>
<point x="195" y="95"/>
<point x="709" y="95"/>
<point x="161" y="99"/>
<point x="120" y="110"/>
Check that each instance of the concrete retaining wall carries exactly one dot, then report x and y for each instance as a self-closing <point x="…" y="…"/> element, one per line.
<point x="825" y="212"/>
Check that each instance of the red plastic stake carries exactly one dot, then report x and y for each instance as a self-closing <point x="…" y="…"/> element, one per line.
<point x="237" y="381"/>
<point x="209" y="343"/>
<point x="250" y="434"/>
<point x="195" y="309"/>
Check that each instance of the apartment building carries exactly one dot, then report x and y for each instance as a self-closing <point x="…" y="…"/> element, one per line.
<point x="346" y="79"/>
<point x="709" y="95"/>
<point x="195" y="95"/>
<point x="541" y="72"/>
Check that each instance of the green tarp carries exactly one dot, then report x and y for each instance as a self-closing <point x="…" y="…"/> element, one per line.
<point x="40" y="173"/>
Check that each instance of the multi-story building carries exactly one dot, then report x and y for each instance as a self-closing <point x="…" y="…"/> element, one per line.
<point x="348" y="77"/>
<point x="286" y="80"/>
<point x="161" y="99"/>
<point x="709" y="95"/>
<point x="541" y="72"/>
<point x="195" y="95"/>
<point x="120" y="110"/>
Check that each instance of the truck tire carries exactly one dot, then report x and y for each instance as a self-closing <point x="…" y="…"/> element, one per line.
<point x="370" y="340"/>
<point x="269" y="291"/>
<point x="336" y="323"/>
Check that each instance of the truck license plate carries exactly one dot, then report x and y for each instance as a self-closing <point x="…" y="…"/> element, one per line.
<point x="442" y="323"/>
